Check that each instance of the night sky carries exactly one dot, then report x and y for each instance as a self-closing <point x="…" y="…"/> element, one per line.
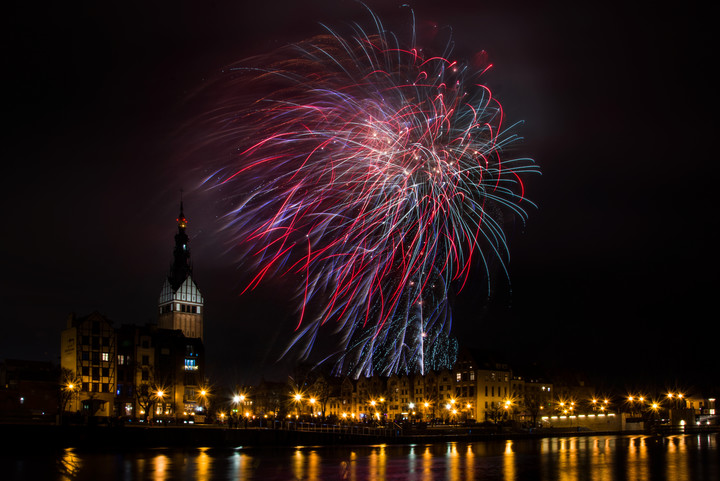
<point x="614" y="273"/>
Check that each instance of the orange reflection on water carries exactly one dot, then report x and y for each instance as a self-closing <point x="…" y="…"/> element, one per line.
<point x="599" y="450"/>
<point x="677" y="458"/>
<point x="509" y="461"/>
<point x="453" y="464"/>
<point x="202" y="473"/>
<point x="427" y="460"/>
<point x="637" y="458"/>
<point x="160" y="467"/>
<point x="469" y="463"/>
<point x="378" y="463"/>
<point x="69" y="464"/>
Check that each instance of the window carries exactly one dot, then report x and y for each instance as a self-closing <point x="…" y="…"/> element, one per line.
<point x="458" y="377"/>
<point x="145" y="360"/>
<point x="472" y="375"/>
<point x="105" y="356"/>
<point x="191" y="364"/>
<point x="145" y="375"/>
<point x="121" y="359"/>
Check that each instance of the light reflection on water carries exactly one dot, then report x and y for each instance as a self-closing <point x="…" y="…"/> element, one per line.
<point x="601" y="458"/>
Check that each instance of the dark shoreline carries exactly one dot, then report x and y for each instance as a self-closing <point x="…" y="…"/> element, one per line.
<point x="43" y="437"/>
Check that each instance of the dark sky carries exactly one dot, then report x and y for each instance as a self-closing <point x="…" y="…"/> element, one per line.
<point x="615" y="271"/>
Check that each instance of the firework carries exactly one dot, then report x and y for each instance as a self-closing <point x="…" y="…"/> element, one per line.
<point x="375" y="173"/>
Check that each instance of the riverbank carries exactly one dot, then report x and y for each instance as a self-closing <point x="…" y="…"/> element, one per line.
<point x="19" y="436"/>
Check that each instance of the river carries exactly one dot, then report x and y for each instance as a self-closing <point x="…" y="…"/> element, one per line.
<point x="599" y="458"/>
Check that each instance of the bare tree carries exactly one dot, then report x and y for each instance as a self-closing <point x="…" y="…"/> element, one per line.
<point x="69" y="388"/>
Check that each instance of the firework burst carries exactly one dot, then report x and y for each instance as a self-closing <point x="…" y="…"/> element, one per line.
<point x="375" y="173"/>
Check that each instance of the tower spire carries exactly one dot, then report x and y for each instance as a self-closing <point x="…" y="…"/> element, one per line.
<point x="181" y="267"/>
<point x="181" y="304"/>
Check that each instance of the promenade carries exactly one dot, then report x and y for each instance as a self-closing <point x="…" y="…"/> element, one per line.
<point x="21" y="436"/>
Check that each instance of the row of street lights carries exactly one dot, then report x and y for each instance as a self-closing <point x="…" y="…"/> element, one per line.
<point x="633" y="402"/>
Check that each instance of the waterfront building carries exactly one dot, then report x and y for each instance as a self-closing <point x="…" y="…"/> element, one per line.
<point x="88" y="354"/>
<point x="156" y="371"/>
<point x="28" y="390"/>
<point x="181" y="305"/>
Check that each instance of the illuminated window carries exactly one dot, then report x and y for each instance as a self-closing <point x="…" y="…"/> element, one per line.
<point x="191" y="364"/>
<point x="105" y="356"/>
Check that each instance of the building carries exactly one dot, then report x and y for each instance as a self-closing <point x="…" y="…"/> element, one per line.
<point x="88" y="357"/>
<point x="28" y="391"/>
<point x="476" y="388"/>
<point x="181" y="304"/>
<point x="141" y="372"/>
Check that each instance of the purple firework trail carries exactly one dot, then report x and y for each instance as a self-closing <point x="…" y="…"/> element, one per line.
<point x="376" y="174"/>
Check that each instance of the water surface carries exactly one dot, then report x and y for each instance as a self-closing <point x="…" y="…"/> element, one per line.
<point x="597" y="458"/>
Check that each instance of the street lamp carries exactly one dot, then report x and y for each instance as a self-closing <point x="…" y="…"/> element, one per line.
<point x="297" y="399"/>
<point x="160" y="394"/>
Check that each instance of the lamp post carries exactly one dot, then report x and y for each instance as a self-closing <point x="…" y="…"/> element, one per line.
<point x="239" y="400"/>
<point x="72" y="389"/>
<point x="203" y="401"/>
<point x="160" y="395"/>
<point x="297" y="399"/>
<point x="508" y="409"/>
<point x="312" y="402"/>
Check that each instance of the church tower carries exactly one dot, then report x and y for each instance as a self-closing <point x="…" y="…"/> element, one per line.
<point x="181" y="304"/>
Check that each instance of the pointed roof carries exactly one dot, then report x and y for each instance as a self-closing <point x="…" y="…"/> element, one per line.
<point x="181" y="267"/>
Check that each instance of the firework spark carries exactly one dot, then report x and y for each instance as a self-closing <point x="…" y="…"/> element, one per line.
<point x="376" y="174"/>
